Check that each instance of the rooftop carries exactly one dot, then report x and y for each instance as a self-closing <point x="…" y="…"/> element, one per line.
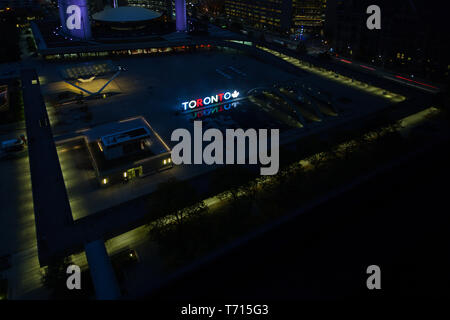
<point x="124" y="136"/>
<point x="126" y="14"/>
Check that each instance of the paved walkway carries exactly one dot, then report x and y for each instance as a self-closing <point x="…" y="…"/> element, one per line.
<point x="51" y="205"/>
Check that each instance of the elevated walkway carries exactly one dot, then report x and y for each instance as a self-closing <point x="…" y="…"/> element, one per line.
<point x="51" y="203"/>
<point x="102" y="272"/>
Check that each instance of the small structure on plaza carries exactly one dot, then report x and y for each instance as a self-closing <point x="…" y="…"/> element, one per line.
<point x="125" y="143"/>
<point x="83" y="76"/>
<point x="125" y="150"/>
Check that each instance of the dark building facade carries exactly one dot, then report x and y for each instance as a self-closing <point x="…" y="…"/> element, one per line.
<point x="280" y="16"/>
<point x="308" y="15"/>
<point x="19" y="3"/>
<point x="162" y="6"/>
<point x="411" y="39"/>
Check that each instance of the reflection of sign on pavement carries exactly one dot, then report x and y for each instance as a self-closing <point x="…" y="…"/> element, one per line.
<point x="214" y="110"/>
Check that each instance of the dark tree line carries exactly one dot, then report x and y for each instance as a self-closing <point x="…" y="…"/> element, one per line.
<point x="246" y="203"/>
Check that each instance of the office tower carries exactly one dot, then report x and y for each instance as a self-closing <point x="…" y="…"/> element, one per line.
<point x="280" y="16"/>
<point x="409" y="40"/>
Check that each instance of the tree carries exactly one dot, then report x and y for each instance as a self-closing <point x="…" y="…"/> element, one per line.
<point x="231" y="180"/>
<point x="177" y="198"/>
<point x="318" y="160"/>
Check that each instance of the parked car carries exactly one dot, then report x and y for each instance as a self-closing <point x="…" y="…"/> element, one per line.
<point x="12" y="148"/>
<point x="12" y="145"/>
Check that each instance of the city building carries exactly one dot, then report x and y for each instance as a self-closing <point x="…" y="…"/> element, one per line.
<point x="18" y="3"/>
<point x="408" y="41"/>
<point x="126" y="150"/>
<point x="166" y="7"/>
<point x="125" y="143"/>
<point x="280" y="16"/>
<point x="134" y="20"/>
<point x="308" y="16"/>
<point x="162" y="6"/>
<point x="99" y="132"/>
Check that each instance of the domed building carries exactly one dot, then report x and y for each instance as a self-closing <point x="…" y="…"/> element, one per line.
<point x="130" y="21"/>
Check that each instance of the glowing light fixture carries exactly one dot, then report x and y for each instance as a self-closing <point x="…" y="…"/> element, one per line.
<point x="86" y="80"/>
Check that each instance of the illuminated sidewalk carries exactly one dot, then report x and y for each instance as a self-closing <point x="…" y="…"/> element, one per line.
<point x="331" y="75"/>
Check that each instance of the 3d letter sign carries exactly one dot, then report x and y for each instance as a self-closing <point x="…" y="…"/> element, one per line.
<point x="75" y="18"/>
<point x="210" y="100"/>
<point x="211" y="105"/>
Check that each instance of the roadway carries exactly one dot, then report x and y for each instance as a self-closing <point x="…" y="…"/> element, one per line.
<point x="353" y="70"/>
<point x="382" y="73"/>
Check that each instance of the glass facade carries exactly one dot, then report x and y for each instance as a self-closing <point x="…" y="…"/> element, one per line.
<point x="130" y="52"/>
<point x="278" y="15"/>
<point x="162" y="6"/>
<point x="308" y="15"/>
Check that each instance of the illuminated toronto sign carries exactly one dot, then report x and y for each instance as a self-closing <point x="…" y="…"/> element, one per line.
<point x="210" y="100"/>
<point x="74" y="17"/>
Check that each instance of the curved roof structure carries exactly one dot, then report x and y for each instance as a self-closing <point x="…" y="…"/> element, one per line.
<point x="126" y="14"/>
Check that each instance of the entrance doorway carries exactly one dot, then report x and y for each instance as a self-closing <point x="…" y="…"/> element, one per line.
<point x="134" y="172"/>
